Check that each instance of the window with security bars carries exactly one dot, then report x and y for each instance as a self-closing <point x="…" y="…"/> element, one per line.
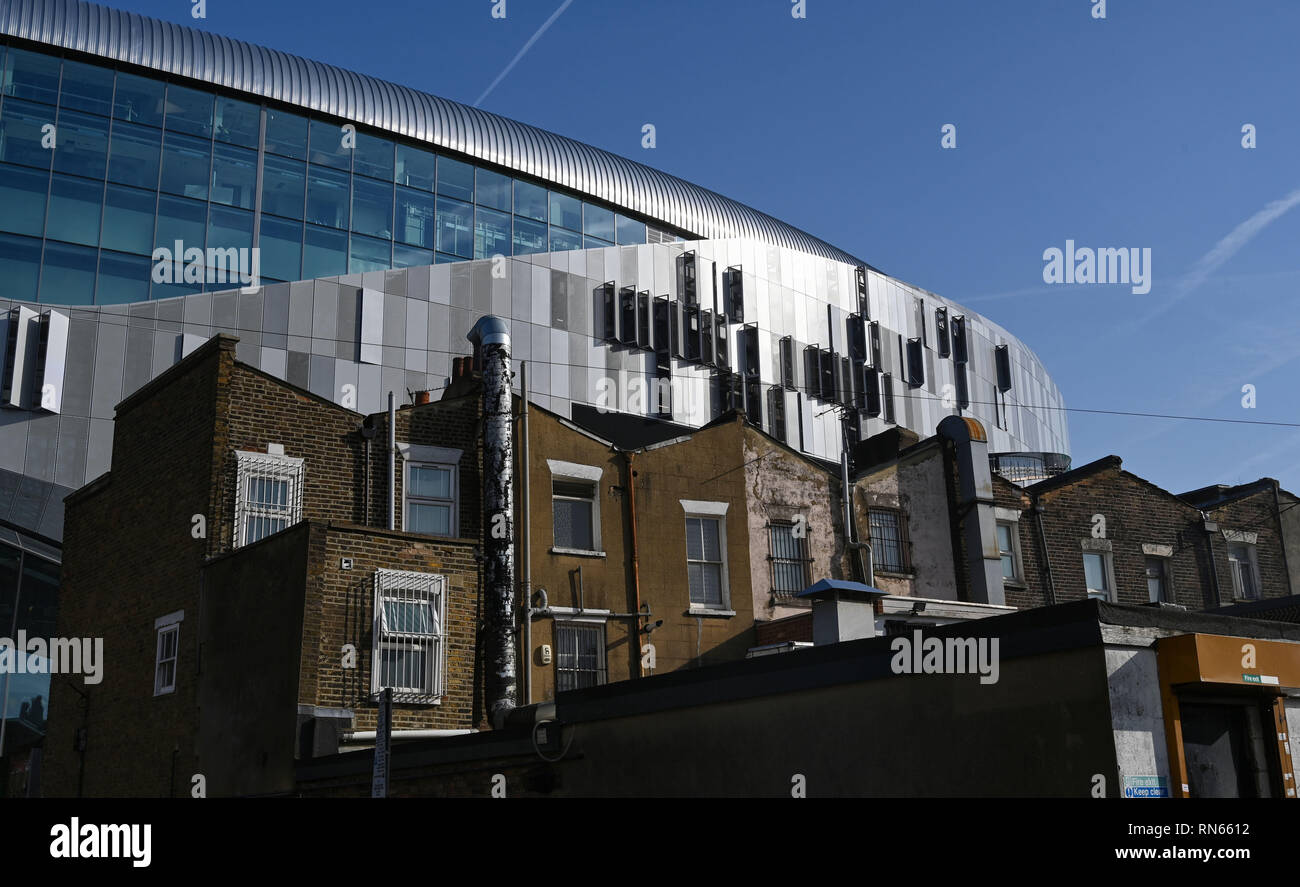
<point x="704" y="565"/>
<point x="410" y="634"/>
<point x="788" y="555"/>
<point x="579" y="655"/>
<point x="889" y="540"/>
<point x="268" y="495"/>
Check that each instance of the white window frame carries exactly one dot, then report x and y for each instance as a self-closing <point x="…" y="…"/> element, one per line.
<point x="716" y="511"/>
<point x="602" y="648"/>
<point x="418" y="456"/>
<point x="165" y="627"/>
<point x="1251" y="563"/>
<point x="1010" y="518"/>
<point x="271" y="466"/>
<point x="573" y="472"/>
<point x="398" y="585"/>
<point x="1101" y="548"/>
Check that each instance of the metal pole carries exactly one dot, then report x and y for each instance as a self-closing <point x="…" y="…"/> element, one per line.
<point x="392" y="462"/>
<point x="528" y="543"/>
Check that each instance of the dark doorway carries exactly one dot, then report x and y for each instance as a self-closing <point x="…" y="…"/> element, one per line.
<point x="1225" y="751"/>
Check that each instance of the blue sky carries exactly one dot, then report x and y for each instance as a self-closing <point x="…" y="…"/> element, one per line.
<point x="1122" y="132"/>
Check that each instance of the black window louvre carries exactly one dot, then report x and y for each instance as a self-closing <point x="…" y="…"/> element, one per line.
<point x="915" y="363"/>
<point x="692" y="333"/>
<point x="860" y="274"/>
<point x="686" y="290"/>
<point x="643" y="319"/>
<point x="875" y="344"/>
<point x="776" y="410"/>
<point x="609" y="300"/>
<point x="1002" y="357"/>
<point x="959" y="338"/>
<point x="941" y="330"/>
<point x="870" y="391"/>
<point x="887" y="396"/>
<point x="827" y="375"/>
<point x="963" y="389"/>
<point x="627" y="315"/>
<point x="662" y="324"/>
<point x="750" y="367"/>
<point x="706" y="338"/>
<point x="754" y="401"/>
<point x="812" y="371"/>
<point x="846" y="381"/>
<point x="787" y="362"/>
<point x="735" y="294"/>
<point x="857" y="337"/>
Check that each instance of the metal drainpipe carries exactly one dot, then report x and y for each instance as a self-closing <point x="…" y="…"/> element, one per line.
<point x="1043" y="551"/>
<point x="392" y="461"/>
<point x="526" y="493"/>
<point x="1214" y="566"/>
<point x="491" y="339"/>
<point x="628" y="458"/>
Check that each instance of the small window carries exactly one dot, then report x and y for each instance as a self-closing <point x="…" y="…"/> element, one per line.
<point x="410" y="634"/>
<point x="788" y="554"/>
<point x="1008" y="550"/>
<point x="430" y="493"/>
<point x="888" y="540"/>
<point x="1096" y="572"/>
<point x="165" y="659"/>
<point x="573" y="503"/>
<point x="579" y="655"/>
<point x="1245" y="571"/>
<point x="705" y="568"/>
<point x="1158" y="580"/>
<point x="268" y="495"/>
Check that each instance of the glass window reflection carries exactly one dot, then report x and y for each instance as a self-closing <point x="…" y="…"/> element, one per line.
<point x="455" y="227"/>
<point x="415" y="217"/>
<point x="138" y="100"/>
<point x="327" y="145"/>
<point x="180" y="219"/>
<point x="566" y="211"/>
<point x="455" y="179"/>
<point x="82" y="145"/>
<point x="86" y="88"/>
<point x="530" y="237"/>
<point x="491" y="233"/>
<point x="74" y="210"/>
<point x="230" y="229"/>
<point x="415" y="167"/>
<point x="369" y="254"/>
<point x="122" y="278"/>
<point x="20" y="266"/>
<point x="409" y="256"/>
<point x="325" y="253"/>
<point x="562" y="240"/>
<point x="68" y="275"/>
<point x="630" y="230"/>
<point x="373" y="157"/>
<point x="237" y="122"/>
<point x="189" y="110"/>
<point x="286" y="134"/>
<point x="283" y="184"/>
<point x="281" y="244"/>
<point x="21" y="133"/>
<point x="22" y="200"/>
<point x="598" y="222"/>
<point x="492" y="189"/>
<point x="372" y="208"/>
<point x="234" y="176"/>
<point x="327" y="197"/>
<point x="185" y="165"/>
<point x="530" y="201"/>
<point x="133" y="153"/>
<point x="128" y="220"/>
<point x="30" y="75"/>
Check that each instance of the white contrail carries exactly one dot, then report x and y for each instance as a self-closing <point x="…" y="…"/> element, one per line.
<point x="527" y="46"/>
<point x="1221" y="252"/>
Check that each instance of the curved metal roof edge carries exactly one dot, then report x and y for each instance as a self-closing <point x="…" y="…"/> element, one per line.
<point x="182" y="51"/>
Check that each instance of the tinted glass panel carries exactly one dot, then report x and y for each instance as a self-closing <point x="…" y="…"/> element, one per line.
<point x="82" y="144"/>
<point x="491" y="233"/>
<point x="234" y="175"/>
<point x="443" y="259"/>
<point x="283" y="183"/>
<point x="530" y="201"/>
<point x="286" y="134"/>
<point x="68" y="277"/>
<point x="229" y="229"/>
<point x="566" y="212"/>
<point x="128" y="220"/>
<point x="29" y="75"/>
<point x="325" y="253"/>
<point x="22" y="200"/>
<point x="455" y="226"/>
<point x="122" y="278"/>
<point x="562" y="240"/>
<point x="237" y="122"/>
<point x="369" y="254"/>
<point x="186" y="163"/>
<point x="189" y="110"/>
<point x="455" y="179"/>
<point x="327" y="145"/>
<point x="598" y="222"/>
<point x="530" y="237"/>
<point x="372" y="207"/>
<point x="630" y="230"/>
<point x="138" y="100"/>
<point x="20" y="265"/>
<point x="20" y="133"/>
<point x="492" y="189"/>
<point x="415" y="167"/>
<point x="592" y="243"/>
<point x="327" y="197"/>
<point x="281" y="249"/>
<point x="409" y="256"/>
<point x="86" y="88"/>
<point x="74" y="210"/>
<point x="180" y="219"/>
<point x="133" y="153"/>
<point x="415" y="217"/>
<point x="373" y="157"/>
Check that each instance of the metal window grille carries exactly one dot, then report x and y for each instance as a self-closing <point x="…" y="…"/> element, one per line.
<point x="579" y="655"/>
<point x="788" y="556"/>
<point x="704" y="561"/>
<point x="889" y="540"/>
<point x="268" y="495"/>
<point x="165" y="668"/>
<point x="410" y="611"/>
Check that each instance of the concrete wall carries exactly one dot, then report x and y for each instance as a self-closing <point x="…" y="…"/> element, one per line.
<point x="1137" y="714"/>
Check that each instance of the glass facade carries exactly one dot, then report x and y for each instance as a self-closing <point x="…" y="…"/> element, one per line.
<point x="29" y="587"/>
<point x="99" y="167"/>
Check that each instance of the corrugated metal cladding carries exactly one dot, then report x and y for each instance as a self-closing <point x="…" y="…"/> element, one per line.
<point x="277" y="76"/>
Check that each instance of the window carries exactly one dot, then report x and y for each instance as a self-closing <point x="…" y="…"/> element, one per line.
<point x="269" y="495"/>
<point x="579" y="655"/>
<point x="431" y="498"/>
<point x="574" y="508"/>
<point x="410" y="634"/>
<point x="166" y="651"/>
<point x="706" y="563"/>
<point x="1009" y="551"/>
<point x="1158" y="580"/>
<point x="788" y="554"/>
<point x="1097" y="574"/>
<point x="1245" y="571"/>
<point x="889" y="549"/>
